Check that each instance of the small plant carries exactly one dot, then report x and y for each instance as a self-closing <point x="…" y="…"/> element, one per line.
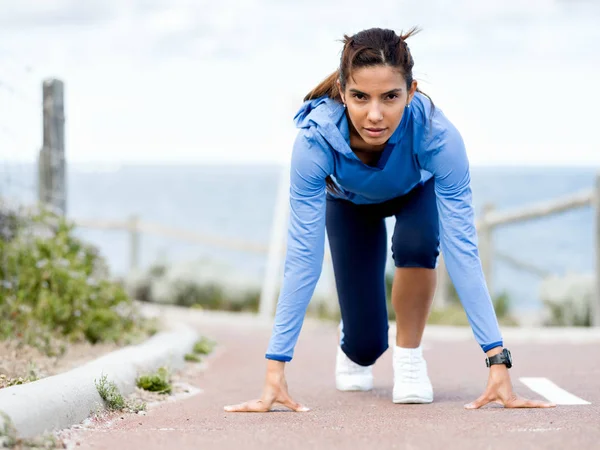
<point x="159" y="382"/>
<point x="136" y="407"/>
<point x="110" y="394"/>
<point x="204" y="346"/>
<point x="8" y="432"/>
<point x="192" y="357"/>
<point x="46" y="442"/>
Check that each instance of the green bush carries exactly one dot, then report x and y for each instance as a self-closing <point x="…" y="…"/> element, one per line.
<point x="55" y="287"/>
<point x="158" y="285"/>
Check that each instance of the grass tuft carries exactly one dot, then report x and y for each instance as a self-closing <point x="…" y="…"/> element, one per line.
<point x="159" y="382"/>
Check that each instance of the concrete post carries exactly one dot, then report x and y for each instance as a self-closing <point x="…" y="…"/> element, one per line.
<point x="486" y="248"/>
<point x="134" y="243"/>
<point x="595" y="308"/>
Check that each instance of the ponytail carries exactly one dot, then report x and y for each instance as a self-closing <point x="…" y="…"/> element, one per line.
<point x="327" y="87"/>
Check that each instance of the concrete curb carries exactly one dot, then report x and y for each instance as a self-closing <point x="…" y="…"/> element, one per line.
<point x="67" y="399"/>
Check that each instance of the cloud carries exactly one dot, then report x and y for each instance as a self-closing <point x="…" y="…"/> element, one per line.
<point x="56" y="13"/>
<point x="166" y="79"/>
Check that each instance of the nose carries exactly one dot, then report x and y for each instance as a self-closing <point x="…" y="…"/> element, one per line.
<point x="375" y="114"/>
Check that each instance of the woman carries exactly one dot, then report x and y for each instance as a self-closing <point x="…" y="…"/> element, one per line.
<point x="371" y="146"/>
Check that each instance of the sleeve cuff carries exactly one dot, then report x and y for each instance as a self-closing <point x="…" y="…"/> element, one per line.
<point x="488" y="347"/>
<point x="278" y="357"/>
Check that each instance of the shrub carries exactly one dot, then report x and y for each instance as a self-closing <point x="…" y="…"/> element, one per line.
<point x="568" y="299"/>
<point x="453" y="313"/>
<point x="55" y="287"/>
<point x="197" y="284"/>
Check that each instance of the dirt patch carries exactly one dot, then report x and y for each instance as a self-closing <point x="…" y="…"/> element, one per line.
<point x="21" y="363"/>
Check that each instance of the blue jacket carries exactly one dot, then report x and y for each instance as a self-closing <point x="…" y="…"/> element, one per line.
<point x="421" y="147"/>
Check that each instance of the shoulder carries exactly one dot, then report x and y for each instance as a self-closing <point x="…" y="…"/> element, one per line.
<point x="432" y="126"/>
<point x="310" y="155"/>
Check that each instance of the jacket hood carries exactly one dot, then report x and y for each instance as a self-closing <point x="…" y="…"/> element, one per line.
<point x="328" y="118"/>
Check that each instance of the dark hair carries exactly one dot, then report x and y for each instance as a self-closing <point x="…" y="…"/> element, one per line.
<point x="368" y="48"/>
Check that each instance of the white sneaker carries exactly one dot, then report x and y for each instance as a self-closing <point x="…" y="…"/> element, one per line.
<point x="411" y="382"/>
<point x="350" y="376"/>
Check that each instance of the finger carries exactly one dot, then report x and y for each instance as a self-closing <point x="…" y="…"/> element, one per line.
<point x="520" y="402"/>
<point x="287" y="401"/>
<point x="481" y="401"/>
<point x="251" y="406"/>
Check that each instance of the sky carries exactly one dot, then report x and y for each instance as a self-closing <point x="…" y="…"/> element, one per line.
<point x="188" y="81"/>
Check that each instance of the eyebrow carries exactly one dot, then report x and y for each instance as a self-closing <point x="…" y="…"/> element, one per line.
<point x="393" y="91"/>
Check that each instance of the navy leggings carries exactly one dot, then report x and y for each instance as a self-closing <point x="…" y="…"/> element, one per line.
<point x="357" y="237"/>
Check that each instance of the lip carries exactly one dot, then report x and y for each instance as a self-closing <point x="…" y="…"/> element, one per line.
<point x="375" y="132"/>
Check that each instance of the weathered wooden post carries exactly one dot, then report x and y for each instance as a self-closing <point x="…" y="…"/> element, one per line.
<point x="134" y="243"/>
<point x="486" y="247"/>
<point x="595" y="309"/>
<point x="52" y="190"/>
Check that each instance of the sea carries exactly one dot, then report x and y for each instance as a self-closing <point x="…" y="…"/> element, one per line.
<point x="238" y="203"/>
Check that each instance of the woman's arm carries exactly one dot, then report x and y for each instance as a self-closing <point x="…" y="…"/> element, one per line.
<point x="304" y="260"/>
<point x="443" y="154"/>
<point x="310" y="166"/>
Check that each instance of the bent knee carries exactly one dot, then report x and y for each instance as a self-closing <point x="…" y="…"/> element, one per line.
<point x="365" y="353"/>
<point x="415" y="249"/>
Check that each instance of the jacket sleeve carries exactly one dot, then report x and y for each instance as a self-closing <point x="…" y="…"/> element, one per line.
<point x="443" y="154"/>
<point x="310" y="165"/>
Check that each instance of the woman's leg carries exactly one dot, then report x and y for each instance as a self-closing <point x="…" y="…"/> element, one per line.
<point x="357" y="238"/>
<point x="415" y="248"/>
<point x="412" y="295"/>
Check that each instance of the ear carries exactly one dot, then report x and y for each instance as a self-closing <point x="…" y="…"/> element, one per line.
<point x="411" y="92"/>
<point x="339" y="86"/>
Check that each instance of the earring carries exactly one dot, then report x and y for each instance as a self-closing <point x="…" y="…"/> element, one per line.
<point x="408" y="105"/>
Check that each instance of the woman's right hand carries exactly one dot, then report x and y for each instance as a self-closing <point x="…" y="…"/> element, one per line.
<point x="275" y="391"/>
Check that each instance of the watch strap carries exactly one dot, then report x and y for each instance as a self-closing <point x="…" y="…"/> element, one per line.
<point x="500" y="358"/>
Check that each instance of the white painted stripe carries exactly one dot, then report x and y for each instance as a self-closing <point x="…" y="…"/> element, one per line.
<point x="551" y="391"/>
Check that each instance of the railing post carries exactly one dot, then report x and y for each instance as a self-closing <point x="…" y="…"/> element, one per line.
<point x="486" y="247"/>
<point x="52" y="189"/>
<point x="595" y="308"/>
<point x="134" y="243"/>
<point x="275" y="258"/>
<point x="440" y="299"/>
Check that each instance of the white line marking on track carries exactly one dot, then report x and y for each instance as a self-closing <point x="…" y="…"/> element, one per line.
<point x="551" y="391"/>
<point x="534" y="430"/>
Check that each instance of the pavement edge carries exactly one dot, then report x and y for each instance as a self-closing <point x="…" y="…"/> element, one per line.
<point x="66" y="399"/>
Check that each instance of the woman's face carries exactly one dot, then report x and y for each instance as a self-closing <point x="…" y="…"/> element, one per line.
<point x="375" y="99"/>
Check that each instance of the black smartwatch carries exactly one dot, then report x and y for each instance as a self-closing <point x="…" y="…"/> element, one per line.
<point x="501" y="358"/>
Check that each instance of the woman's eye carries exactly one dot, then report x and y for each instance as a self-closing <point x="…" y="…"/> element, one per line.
<point x="392" y="96"/>
<point x="358" y="96"/>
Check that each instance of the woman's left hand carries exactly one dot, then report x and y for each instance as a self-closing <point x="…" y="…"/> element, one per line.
<point x="499" y="390"/>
